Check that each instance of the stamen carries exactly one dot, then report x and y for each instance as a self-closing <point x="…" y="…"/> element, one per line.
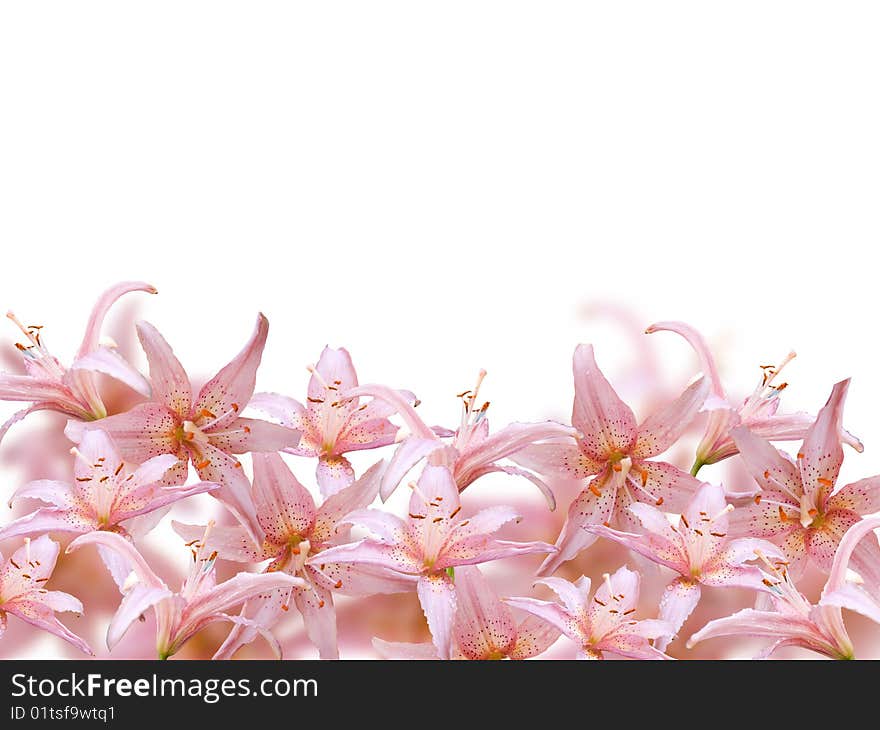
<point x="317" y="376"/>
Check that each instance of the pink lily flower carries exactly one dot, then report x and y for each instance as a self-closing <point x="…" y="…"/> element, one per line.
<point x="433" y="539"/>
<point x="613" y="452"/>
<point x="791" y="620"/>
<point x="473" y="451"/>
<point x="758" y="413"/>
<point x="206" y="430"/>
<point x="697" y="548"/>
<point x="295" y="531"/>
<point x="484" y="627"/>
<point x="604" y="624"/>
<point x="798" y="506"/>
<point x="839" y="593"/>
<point x="106" y="494"/>
<point x="73" y="391"/>
<point x="200" y="601"/>
<point x="332" y="426"/>
<point x="22" y="590"/>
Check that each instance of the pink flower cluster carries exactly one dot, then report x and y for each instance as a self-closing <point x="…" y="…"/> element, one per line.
<point x="128" y="469"/>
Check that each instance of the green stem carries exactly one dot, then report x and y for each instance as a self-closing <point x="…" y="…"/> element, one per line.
<point x="695" y="469"/>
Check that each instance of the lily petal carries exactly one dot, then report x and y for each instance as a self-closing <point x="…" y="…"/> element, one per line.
<point x="110" y="362"/>
<point x="822" y="450"/>
<point x="284" y="506"/>
<point x="231" y="389"/>
<point x="677" y="603"/>
<point x="664" y="427"/>
<point x="484" y="626"/>
<point x="606" y="423"/>
<point x="437" y="596"/>
<point x="170" y="383"/>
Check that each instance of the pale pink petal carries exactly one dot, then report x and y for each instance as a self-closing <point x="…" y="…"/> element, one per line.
<point x="28" y="388"/>
<point x="821" y="454"/>
<point x="285" y="509"/>
<point x="553" y="614"/>
<point x="235" y="489"/>
<point x="401" y="650"/>
<point x="352" y="579"/>
<point x="372" y="553"/>
<point x="677" y="603"/>
<point x="231" y="389"/>
<point x="263" y="611"/>
<point x="515" y="471"/>
<point x="151" y="498"/>
<point x="336" y="370"/>
<point x="170" y="383"/>
<point x="821" y="543"/>
<point x="484" y="627"/>
<point x="387" y="527"/>
<point x="613" y="602"/>
<point x="771" y="514"/>
<point x="136" y="601"/>
<point x="40" y="615"/>
<point x="233" y="592"/>
<point x="768" y="624"/>
<point x="38" y="559"/>
<point x="231" y="543"/>
<point x="401" y="401"/>
<point x="333" y="474"/>
<point x="245" y="435"/>
<point x="48" y="520"/>
<point x="481" y="550"/>
<point x="630" y="646"/>
<point x="437" y="596"/>
<point x="484" y="522"/>
<point x="659" y="483"/>
<point x="147" y="430"/>
<point x="290" y="413"/>
<point x="406" y="456"/>
<point x="366" y="435"/>
<point x="52" y="492"/>
<point x="566" y="459"/>
<point x="654" y="521"/>
<point x="771" y="469"/>
<point x="438" y="487"/>
<point x="606" y="423"/>
<point x="854" y="598"/>
<point x="110" y="362"/>
<point x="658" y="549"/>
<point x="357" y="496"/>
<point x="664" y="427"/>
<point x="254" y="628"/>
<point x="861" y="497"/>
<point x="319" y="617"/>
<point x="574" y="596"/>
<point x="503" y="444"/>
<point x="696" y="341"/>
<point x="850" y="542"/>
<point x="92" y="336"/>
<point x="586" y="509"/>
<point x="125" y="550"/>
<point x="794" y="546"/>
<point x="533" y="637"/>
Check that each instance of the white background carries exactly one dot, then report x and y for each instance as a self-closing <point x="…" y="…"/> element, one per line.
<point x="447" y="186"/>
